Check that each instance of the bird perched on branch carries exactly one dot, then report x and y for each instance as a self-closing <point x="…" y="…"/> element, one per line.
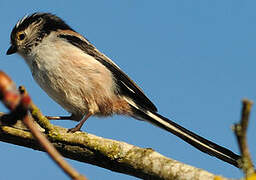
<point x="86" y="82"/>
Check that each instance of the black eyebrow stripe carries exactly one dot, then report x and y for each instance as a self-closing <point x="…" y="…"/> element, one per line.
<point x="50" y="22"/>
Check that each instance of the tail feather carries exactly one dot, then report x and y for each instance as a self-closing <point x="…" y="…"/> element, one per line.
<point x="195" y="140"/>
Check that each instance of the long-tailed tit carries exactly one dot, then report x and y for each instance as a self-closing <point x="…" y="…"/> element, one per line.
<point x="86" y="82"/>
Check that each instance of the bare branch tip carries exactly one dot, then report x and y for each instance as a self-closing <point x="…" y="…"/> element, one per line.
<point x="247" y="101"/>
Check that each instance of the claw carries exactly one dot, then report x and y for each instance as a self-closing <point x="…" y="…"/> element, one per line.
<point x="74" y="129"/>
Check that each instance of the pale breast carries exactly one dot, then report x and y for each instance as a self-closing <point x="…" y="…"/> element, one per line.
<point x="75" y="80"/>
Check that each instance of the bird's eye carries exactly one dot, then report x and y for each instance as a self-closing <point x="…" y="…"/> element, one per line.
<point x="21" y="36"/>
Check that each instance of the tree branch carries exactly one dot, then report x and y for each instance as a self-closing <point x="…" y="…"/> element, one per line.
<point x="19" y="103"/>
<point x="110" y="154"/>
<point x="240" y="130"/>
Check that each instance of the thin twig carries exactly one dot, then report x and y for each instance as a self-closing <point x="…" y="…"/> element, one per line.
<point x="49" y="148"/>
<point x="36" y="113"/>
<point x="240" y="130"/>
<point x="19" y="103"/>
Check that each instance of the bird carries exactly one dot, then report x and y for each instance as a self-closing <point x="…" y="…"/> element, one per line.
<point x="85" y="82"/>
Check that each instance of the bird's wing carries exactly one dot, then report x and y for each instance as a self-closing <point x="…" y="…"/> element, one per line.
<point x="126" y="86"/>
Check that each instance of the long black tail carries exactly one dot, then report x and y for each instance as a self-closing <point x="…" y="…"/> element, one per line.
<point x="197" y="141"/>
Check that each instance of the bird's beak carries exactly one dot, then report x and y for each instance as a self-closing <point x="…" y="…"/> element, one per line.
<point x="13" y="49"/>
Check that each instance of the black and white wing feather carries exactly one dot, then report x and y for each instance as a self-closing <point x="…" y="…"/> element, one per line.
<point x="144" y="109"/>
<point x="126" y="86"/>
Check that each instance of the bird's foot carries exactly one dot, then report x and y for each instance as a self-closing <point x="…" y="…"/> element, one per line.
<point x="74" y="129"/>
<point x="59" y="117"/>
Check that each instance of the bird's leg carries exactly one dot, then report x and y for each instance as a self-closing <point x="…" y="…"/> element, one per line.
<point x="80" y="124"/>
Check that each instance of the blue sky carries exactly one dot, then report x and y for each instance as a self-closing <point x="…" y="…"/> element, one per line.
<point x="194" y="59"/>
